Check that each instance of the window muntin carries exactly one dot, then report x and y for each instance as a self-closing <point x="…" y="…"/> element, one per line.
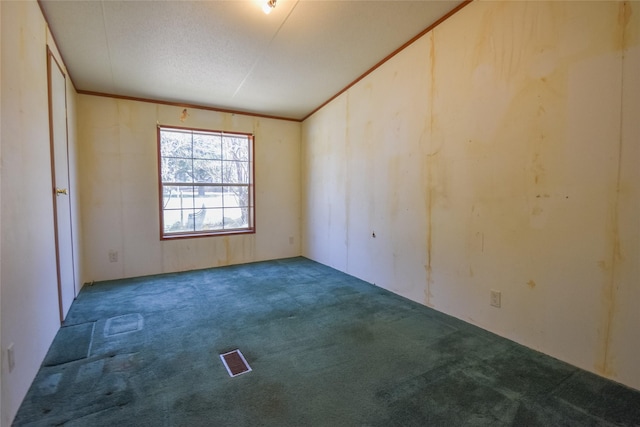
<point x="206" y="182"/>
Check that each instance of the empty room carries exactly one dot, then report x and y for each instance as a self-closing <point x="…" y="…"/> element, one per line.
<point x="320" y="213"/>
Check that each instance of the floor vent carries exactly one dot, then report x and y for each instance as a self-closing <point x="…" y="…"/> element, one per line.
<point x="235" y="363"/>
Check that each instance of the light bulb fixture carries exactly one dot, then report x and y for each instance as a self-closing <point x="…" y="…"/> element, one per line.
<point x="268" y="6"/>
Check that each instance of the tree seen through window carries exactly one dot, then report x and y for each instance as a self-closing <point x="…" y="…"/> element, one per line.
<point x="206" y="182"/>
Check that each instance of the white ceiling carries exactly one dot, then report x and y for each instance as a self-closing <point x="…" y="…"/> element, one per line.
<point x="229" y="54"/>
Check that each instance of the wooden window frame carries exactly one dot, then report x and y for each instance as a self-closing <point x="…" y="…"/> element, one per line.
<point x="250" y="229"/>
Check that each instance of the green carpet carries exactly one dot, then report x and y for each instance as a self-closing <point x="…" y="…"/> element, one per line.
<point x="72" y="343"/>
<point x="325" y="349"/>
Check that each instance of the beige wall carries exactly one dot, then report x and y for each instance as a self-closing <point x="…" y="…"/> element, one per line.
<point x="619" y="351"/>
<point x="29" y="311"/>
<point x="2" y="348"/>
<point x="120" y="190"/>
<point x="2" y="362"/>
<point x="499" y="151"/>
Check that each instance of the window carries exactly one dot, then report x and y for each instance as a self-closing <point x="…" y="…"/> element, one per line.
<point x="206" y="182"/>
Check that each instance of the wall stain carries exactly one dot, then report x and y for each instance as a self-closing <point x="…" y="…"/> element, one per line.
<point x="624" y="16"/>
<point x="624" y="13"/>
<point x="603" y="365"/>
<point x="606" y="358"/>
<point x="429" y="183"/>
<point x="531" y="284"/>
<point x="428" y="199"/>
<point x="227" y="251"/>
<point x="347" y="187"/>
<point x="603" y="265"/>
<point x="394" y="179"/>
<point x="227" y="121"/>
<point x="537" y="166"/>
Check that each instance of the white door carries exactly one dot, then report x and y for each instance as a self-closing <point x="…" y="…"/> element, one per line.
<point x="61" y="190"/>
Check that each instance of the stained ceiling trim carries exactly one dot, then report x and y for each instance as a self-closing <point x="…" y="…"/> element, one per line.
<point x="391" y="55"/>
<point x="186" y="105"/>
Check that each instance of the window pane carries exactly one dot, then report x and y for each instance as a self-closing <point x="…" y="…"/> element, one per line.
<point x="209" y="197"/>
<point x="196" y="219"/>
<point x="194" y="165"/>
<point x="169" y="194"/>
<point x="175" y="221"/>
<point x="235" y="172"/>
<point x="207" y="146"/>
<point x="178" y="197"/>
<point x="235" y="218"/>
<point x="246" y="217"/>
<point x="207" y="171"/>
<point x="236" y="148"/>
<point x="236" y="197"/>
<point x="229" y="197"/>
<point x="188" y="197"/>
<point x="177" y="170"/>
<point x="175" y="144"/>
<point x="214" y="218"/>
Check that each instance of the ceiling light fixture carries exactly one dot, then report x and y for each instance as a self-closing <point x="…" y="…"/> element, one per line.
<point x="268" y="6"/>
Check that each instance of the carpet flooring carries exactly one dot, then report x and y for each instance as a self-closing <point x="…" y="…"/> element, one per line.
<point x="72" y="343"/>
<point x="325" y="349"/>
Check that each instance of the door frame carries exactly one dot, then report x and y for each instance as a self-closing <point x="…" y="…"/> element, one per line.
<point x="51" y="61"/>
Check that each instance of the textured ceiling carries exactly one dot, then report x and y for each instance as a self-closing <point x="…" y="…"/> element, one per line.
<point x="229" y="54"/>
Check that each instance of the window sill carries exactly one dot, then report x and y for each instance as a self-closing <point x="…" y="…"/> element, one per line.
<point x="206" y="234"/>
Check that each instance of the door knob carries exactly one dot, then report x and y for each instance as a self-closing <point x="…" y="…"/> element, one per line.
<point x="60" y="191"/>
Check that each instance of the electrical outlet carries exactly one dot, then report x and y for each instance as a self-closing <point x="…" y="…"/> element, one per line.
<point x="11" y="359"/>
<point x="113" y="256"/>
<point x="495" y="298"/>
